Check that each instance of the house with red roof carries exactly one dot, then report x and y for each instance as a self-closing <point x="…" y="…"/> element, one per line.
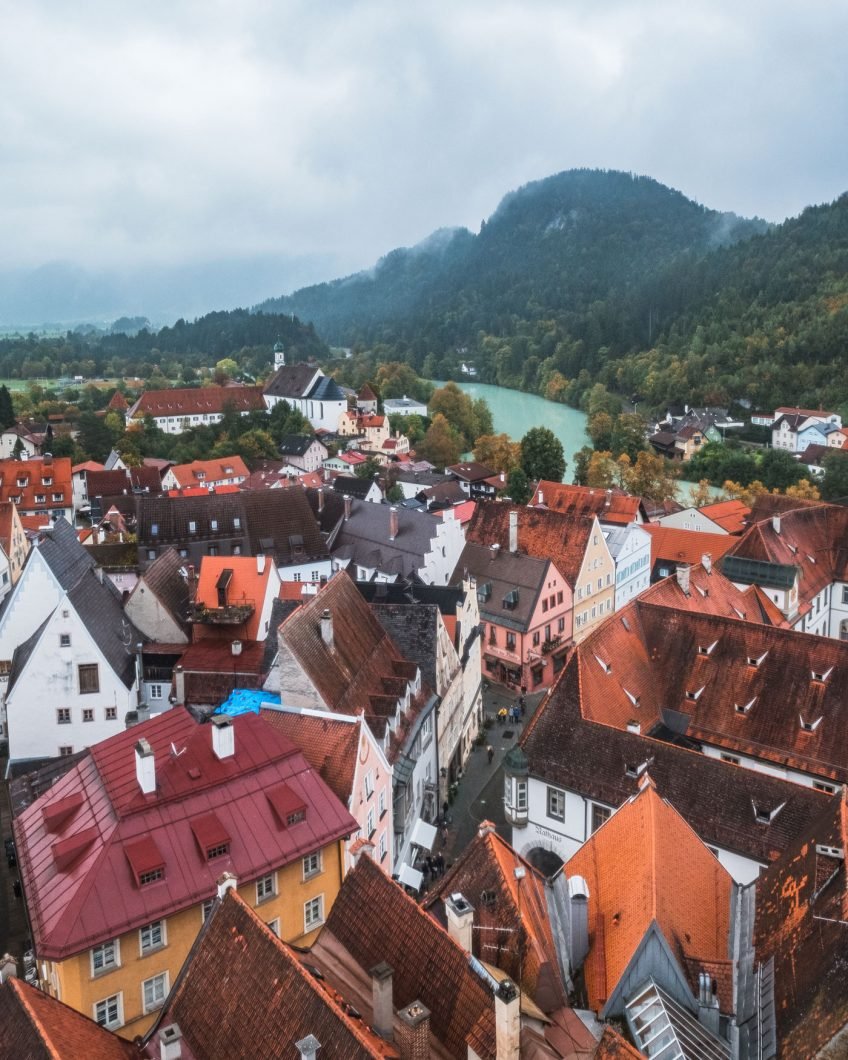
<point x="39" y="486"/>
<point x="13" y="540"/>
<point x="613" y="507"/>
<point x="224" y="471"/>
<point x="120" y="859"/>
<point x="672" y="547"/>
<point x="182" y="408"/>
<point x="234" y="598"/>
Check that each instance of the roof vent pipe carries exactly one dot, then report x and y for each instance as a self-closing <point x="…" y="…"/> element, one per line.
<point x="513" y="532"/>
<point x="327" y="628"/>
<point x="170" y="1043"/>
<point x="308" y="1047"/>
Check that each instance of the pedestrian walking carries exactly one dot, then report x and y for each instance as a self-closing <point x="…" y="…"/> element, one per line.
<point x="490" y="751"/>
<point x="522" y="705"/>
<point x="440" y="863"/>
<point x="444" y="837"/>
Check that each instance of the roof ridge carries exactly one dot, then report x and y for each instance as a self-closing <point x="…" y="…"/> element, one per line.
<point x="28" y="1010"/>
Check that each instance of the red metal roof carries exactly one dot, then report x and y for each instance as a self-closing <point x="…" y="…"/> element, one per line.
<point x="97" y="896"/>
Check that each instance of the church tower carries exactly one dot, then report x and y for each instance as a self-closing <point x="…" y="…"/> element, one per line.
<point x="279" y="355"/>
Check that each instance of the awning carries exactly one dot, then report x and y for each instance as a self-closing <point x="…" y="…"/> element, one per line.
<point x="423" y="835"/>
<point x="410" y="877"/>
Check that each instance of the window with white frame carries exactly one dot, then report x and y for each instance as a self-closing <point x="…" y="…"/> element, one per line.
<point x="274" y="925"/>
<point x="105" y="957"/>
<point x="556" y="804"/>
<point x="154" y="991"/>
<point x="381" y="802"/>
<point x="313" y="913"/>
<point x="206" y="909"/>
<point x="64" y="640"/>
<point x="369" y="784"/>
<point x="383" y="846"/>
<point x="152" y="936"/>
<point x="109" y="1012"/>
<point x="266" y="887"/>
<point x="312" y="864"/>
<point x="65" y="750"/>
<point x="63" y="715"/>
<point x="369" y="823"/>
<point x="155" y="691"/>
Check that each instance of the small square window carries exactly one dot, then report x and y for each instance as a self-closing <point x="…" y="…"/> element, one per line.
<point x="312" y="865"/>
<point x="220" y="850"/>
<point x="155" y="691"/>
<point x="154" y="991"/>
<point x="88" y="715"/>
<point x="63" y="715"/>
<point x="65" y="750"/>
<point x="111" y="713"/>
<point x="64" y="640"/>
<point x="556" y="804"/>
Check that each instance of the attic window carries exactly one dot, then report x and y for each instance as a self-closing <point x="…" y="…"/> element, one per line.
<point x="154" y="529"/>
<point x="695" y="695"/>
<point x="743" y="708"/>
<point x="625" y="623"/>
<point x="793" y="549"/>
<point x="488" y="899"/>
<point x="821" y="675"/>
<point x="812" y="559"/>
<point x="296" y="544"/>
<point x="484" y="592"/>
<point x="706" y="649"/>
<point x="635" y="771"/>
<point x="764" y="816"/>
<point x="756" y="660"/>
<point x="634" y="699"/>
<point x="510" y="601"/>
<point x="605" y="666"/>
<point x="810" y="726"/>
<point x="201" y="474"/>
<point x="702" y="591"/>
<point x="151" y="876"/>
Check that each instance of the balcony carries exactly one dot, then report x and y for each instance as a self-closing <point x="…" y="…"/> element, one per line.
<point x="228" y="615"/>
<point x="551" y="645"/>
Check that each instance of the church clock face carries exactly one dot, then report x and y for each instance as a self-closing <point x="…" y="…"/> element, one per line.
<point x="364" y="751"/>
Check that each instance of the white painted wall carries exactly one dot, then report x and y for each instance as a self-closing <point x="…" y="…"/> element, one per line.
<point x="691" y="519"/>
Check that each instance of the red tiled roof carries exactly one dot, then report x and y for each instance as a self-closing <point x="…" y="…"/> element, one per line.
<point x="87" y="465"/>
<point x="686" y="546"/>
<point x="329" y="743"/>
<point x="613" y="1047"/>
<point x="246" y="586"/>
<point x="731" y="515"/>
<point x="195" y="401"/>
<point x="198" y="472"/>
<point x="645" y="865"/>
<point x="264" y="1003"/>
<point x="610" y="506"/>
<point x="711" y="593"/>
<point x="98" y="895"/>
<point x="461" y="512"/>
<point x="32" y="473"/>
<point x="35" y="1026"/>
<point x="118" y="402"/>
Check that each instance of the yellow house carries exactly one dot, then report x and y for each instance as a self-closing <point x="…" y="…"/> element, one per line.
<point x="594" y="587"/>
<point x="122" y="858"/>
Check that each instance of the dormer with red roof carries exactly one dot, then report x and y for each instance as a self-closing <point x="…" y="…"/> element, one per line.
<point x="120" y="857"/>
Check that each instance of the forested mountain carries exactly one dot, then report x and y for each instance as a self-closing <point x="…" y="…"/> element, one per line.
<point x="592" y="275"/>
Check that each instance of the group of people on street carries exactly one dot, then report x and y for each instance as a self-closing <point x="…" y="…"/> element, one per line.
<point x="433" y="867"/>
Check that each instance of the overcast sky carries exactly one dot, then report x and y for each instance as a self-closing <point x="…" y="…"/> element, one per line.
<point x="170" y="133"/>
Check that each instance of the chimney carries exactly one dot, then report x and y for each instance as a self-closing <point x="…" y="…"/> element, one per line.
<point x="578" y="921"/>
<point x="775" y="523"/>
<point x="260" y="564"/>
<point x="708" y="1013"/>
<point x="308" y="1047"/>
<point x="347" y="504"/>
<point x="707" y="562"/>
<point x="608" y="499"/>
<point x="683" y="572"/>
<point x="47" y="459"/>
<point x="493" y="550"/>
<point x="320" y="492"/>
<point x="170" y="1042"/>
<point x="541" y="498"/>
<point x="413" y="1033"/>
<point x="381" y="999"/>
<point x="486" y="828"/>
<point x="507" y="1021"/>
<point x="226" y="882"/>
<point x="179" y="684"/>
<point x="363" y="849"/>
<point x="223" y="737"/>
<point x="513" y="532"/>
<point x="327" y="628"/>
<point x="8" y="967"/>
<point x="393" y="523"/>
<point x="460" y="914"/>
<point x="145" y="767"/>
<point x="503" y="477"/>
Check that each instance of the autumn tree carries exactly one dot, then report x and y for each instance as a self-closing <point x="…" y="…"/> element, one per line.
<point x="470" y="418"/>
<point x="498" y="451"/>
<point x="747" y="494"/>
<point x="602" y="471"/>
<point x="803" y="490"/>
<point x="700" y="494"/>
<point x="651" y="476"/>
<point x="441" y="445"/>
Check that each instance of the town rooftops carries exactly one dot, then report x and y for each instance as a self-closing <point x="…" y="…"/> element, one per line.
<point x="99" y="856"/>
<point x="268" y="997"/>
<point x="470" y="471"/>
<point x="201" y="472"/>
<point x="329" y="742"/>
<point x="235" y="586"/>
<point x="645" y="866"/>
<point x="685" y="546"/>
<point x="296" y="444"/>
<point x="705" y="590"/>
<point x="730" y="515"/>
<point x="610" y="506"/>
<point x="508" y="585"/>
<point x="365" y="538"/>
<point x="41" y="483"/>
<point x="197" y="401"/>
<point x="167" y="579"/>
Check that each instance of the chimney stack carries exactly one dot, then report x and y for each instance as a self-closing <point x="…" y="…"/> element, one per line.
<point x="513" y="532"/>
<point x="260" y="564"/>
<point x="179" y="684"/>
<point x="413" y="1032"/>
<point x="223" y="737"/>
<point x="578" y="921"/>
<point x="381" y="1000"/>
<point x="684" y="570"/>
<point x="145" y="766"/>
<point x="8" y="967"/>
<point x="320" y="492"/>
<point x="308" y="1047"/>
<point x="541" y="498"/>
<point x="460" y="916"/>
<point x="493" y="551"/>
<point x="327" y="628"/>
<point x="393" y="523"/>
<point x="347" y="504"/>
<point x="775" y="523"/>
<point x="507" y="1021"/>
<point x="170" y="1042"/>
<point x="707" y="562"/>
<point x="226" y="882"/>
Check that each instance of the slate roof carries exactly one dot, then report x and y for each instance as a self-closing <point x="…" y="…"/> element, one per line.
<point x="326" y="389"/>
<point x="196" y="401"/>
<point x="717" y="799"/>
<point x="291" y="381"/>
<point x="36" y="1026"/>
<point x="99" y="608"/>
<point x="517" y="921"/>
<point x="364" y="539"/>
<point x="470" y="471"/>
<point x="164" y="580"/>
<point x="499" y="577"/>
<point x="446" y="597"/>
<point x="428" y="965"/>
<point x="97" y="895"/>
<point x="296" y="444"/>
<point x="414" y="628"/>
<point x="352" y="486"/>
<point x="610" y="506"/>
<point x="266" y="1002"/>
<point x="542" y="534"/>
<point x="801" y="910"/>
<point x="329" y="744"/>
<point x="646" y="866"/>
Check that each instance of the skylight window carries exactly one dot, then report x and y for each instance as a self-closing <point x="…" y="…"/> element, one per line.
<point x="810" y="726"/>
<point x="707" y="649"/>
<point x="821" y="675"/>
<point x="743" y="708"/>
<point x="756" y="661"/>
<point x="765" y="816"/>
<point x="605" y="666"/>
<point x="696" y="694"/>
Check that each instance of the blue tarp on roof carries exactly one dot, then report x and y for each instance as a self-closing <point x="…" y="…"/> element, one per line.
<point x="247" y="701"/>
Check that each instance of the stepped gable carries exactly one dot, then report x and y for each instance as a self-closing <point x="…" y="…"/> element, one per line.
<point x="543" y="535"/>
<point x="718" y="800"/>
<point x="266" y="1001"/>
<point x="35" y="1026"/>
<point x="505" y="909"/>
<point x="801" y="910"/>
<point x="646" y="866"/>
<point x="428" y="966"/>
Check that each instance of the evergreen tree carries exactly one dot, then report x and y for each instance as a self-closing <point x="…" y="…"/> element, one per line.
<point x="7" y="411"/>
<point x="542" y="455"/>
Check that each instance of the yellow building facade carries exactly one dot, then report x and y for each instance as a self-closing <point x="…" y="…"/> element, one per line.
<point x="594" y="590"/>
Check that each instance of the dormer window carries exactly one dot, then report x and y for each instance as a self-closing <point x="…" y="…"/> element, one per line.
<point x="213" y="524"/>
<point x="22" y="481"/>
<point x="295" y="817"/>
<point x="192" y="526"/>
<point x="631" y="770"/>
<point x="150" y="876"/>
<point x="154" y="529"/>
<point x="707" y="649"/>
<point x="755" y="661"/>
<point x="605" y="666"/>
<point x="810" y="726"/>
<point x="201" y="475"/>
<point x="696" y="694"/>
<point x="634" y="699"/>
<point x="821" y="675"/>
<point x="219" y="851"/>
<point x="743" y="708"/>
<point x="766" y="816"/>
<point x="510" y="601"/>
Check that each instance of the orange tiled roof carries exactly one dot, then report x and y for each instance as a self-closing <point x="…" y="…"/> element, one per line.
<point x="686" y="546"/>
<point x="731" y="515"/>
<point x="198" y="472"/>
<point x="711" y="593"/>
<point x="610" y="506"/>
<point x="329" y="744"/>
<point x="645" y="865"/>
<point x="195" y="401"/>
<point x="247" y="586"/>
<point x="23" y="482"/>
<point x="613" y="1047"/>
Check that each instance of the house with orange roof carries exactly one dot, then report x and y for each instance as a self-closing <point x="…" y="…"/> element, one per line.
<point x="731" y="516"/>
<point x="207" y="474"/>
<point x="13" y="541"/>
<point x="659" y="924"/>
<point x="39" y="486"/>
<point x="671" y="547"/>
<point x="348" y="758"/>
<point x="234" y="598"/>
<point x="613" y="507"/>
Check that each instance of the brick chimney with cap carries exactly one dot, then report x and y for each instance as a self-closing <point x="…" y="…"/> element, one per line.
<point x="684" y="571"/>
<point x="170" y="1042"/>
<point x="412" y="1035"/>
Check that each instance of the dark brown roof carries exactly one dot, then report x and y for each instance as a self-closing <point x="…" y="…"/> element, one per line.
<point x="801" y="911"/>
<point x="113" y="483"/>
<point x="243" y="994"/>
<point x="291" y="381"/>
<point x="428" y="965"/>
<point x="499" y="577"/>
<point x="163" y="578"/>
<point x="471" y="471"/>
<point x="35" y="1026"/>
<point x="716" y="798"/>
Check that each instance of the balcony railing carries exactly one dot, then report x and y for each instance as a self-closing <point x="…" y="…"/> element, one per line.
<point x="231" y="615"/>
<point x="551" y="645"/>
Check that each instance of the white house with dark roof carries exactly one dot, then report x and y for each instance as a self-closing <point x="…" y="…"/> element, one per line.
<point x="305" y="387"/>
<point x="303" y="451"/>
